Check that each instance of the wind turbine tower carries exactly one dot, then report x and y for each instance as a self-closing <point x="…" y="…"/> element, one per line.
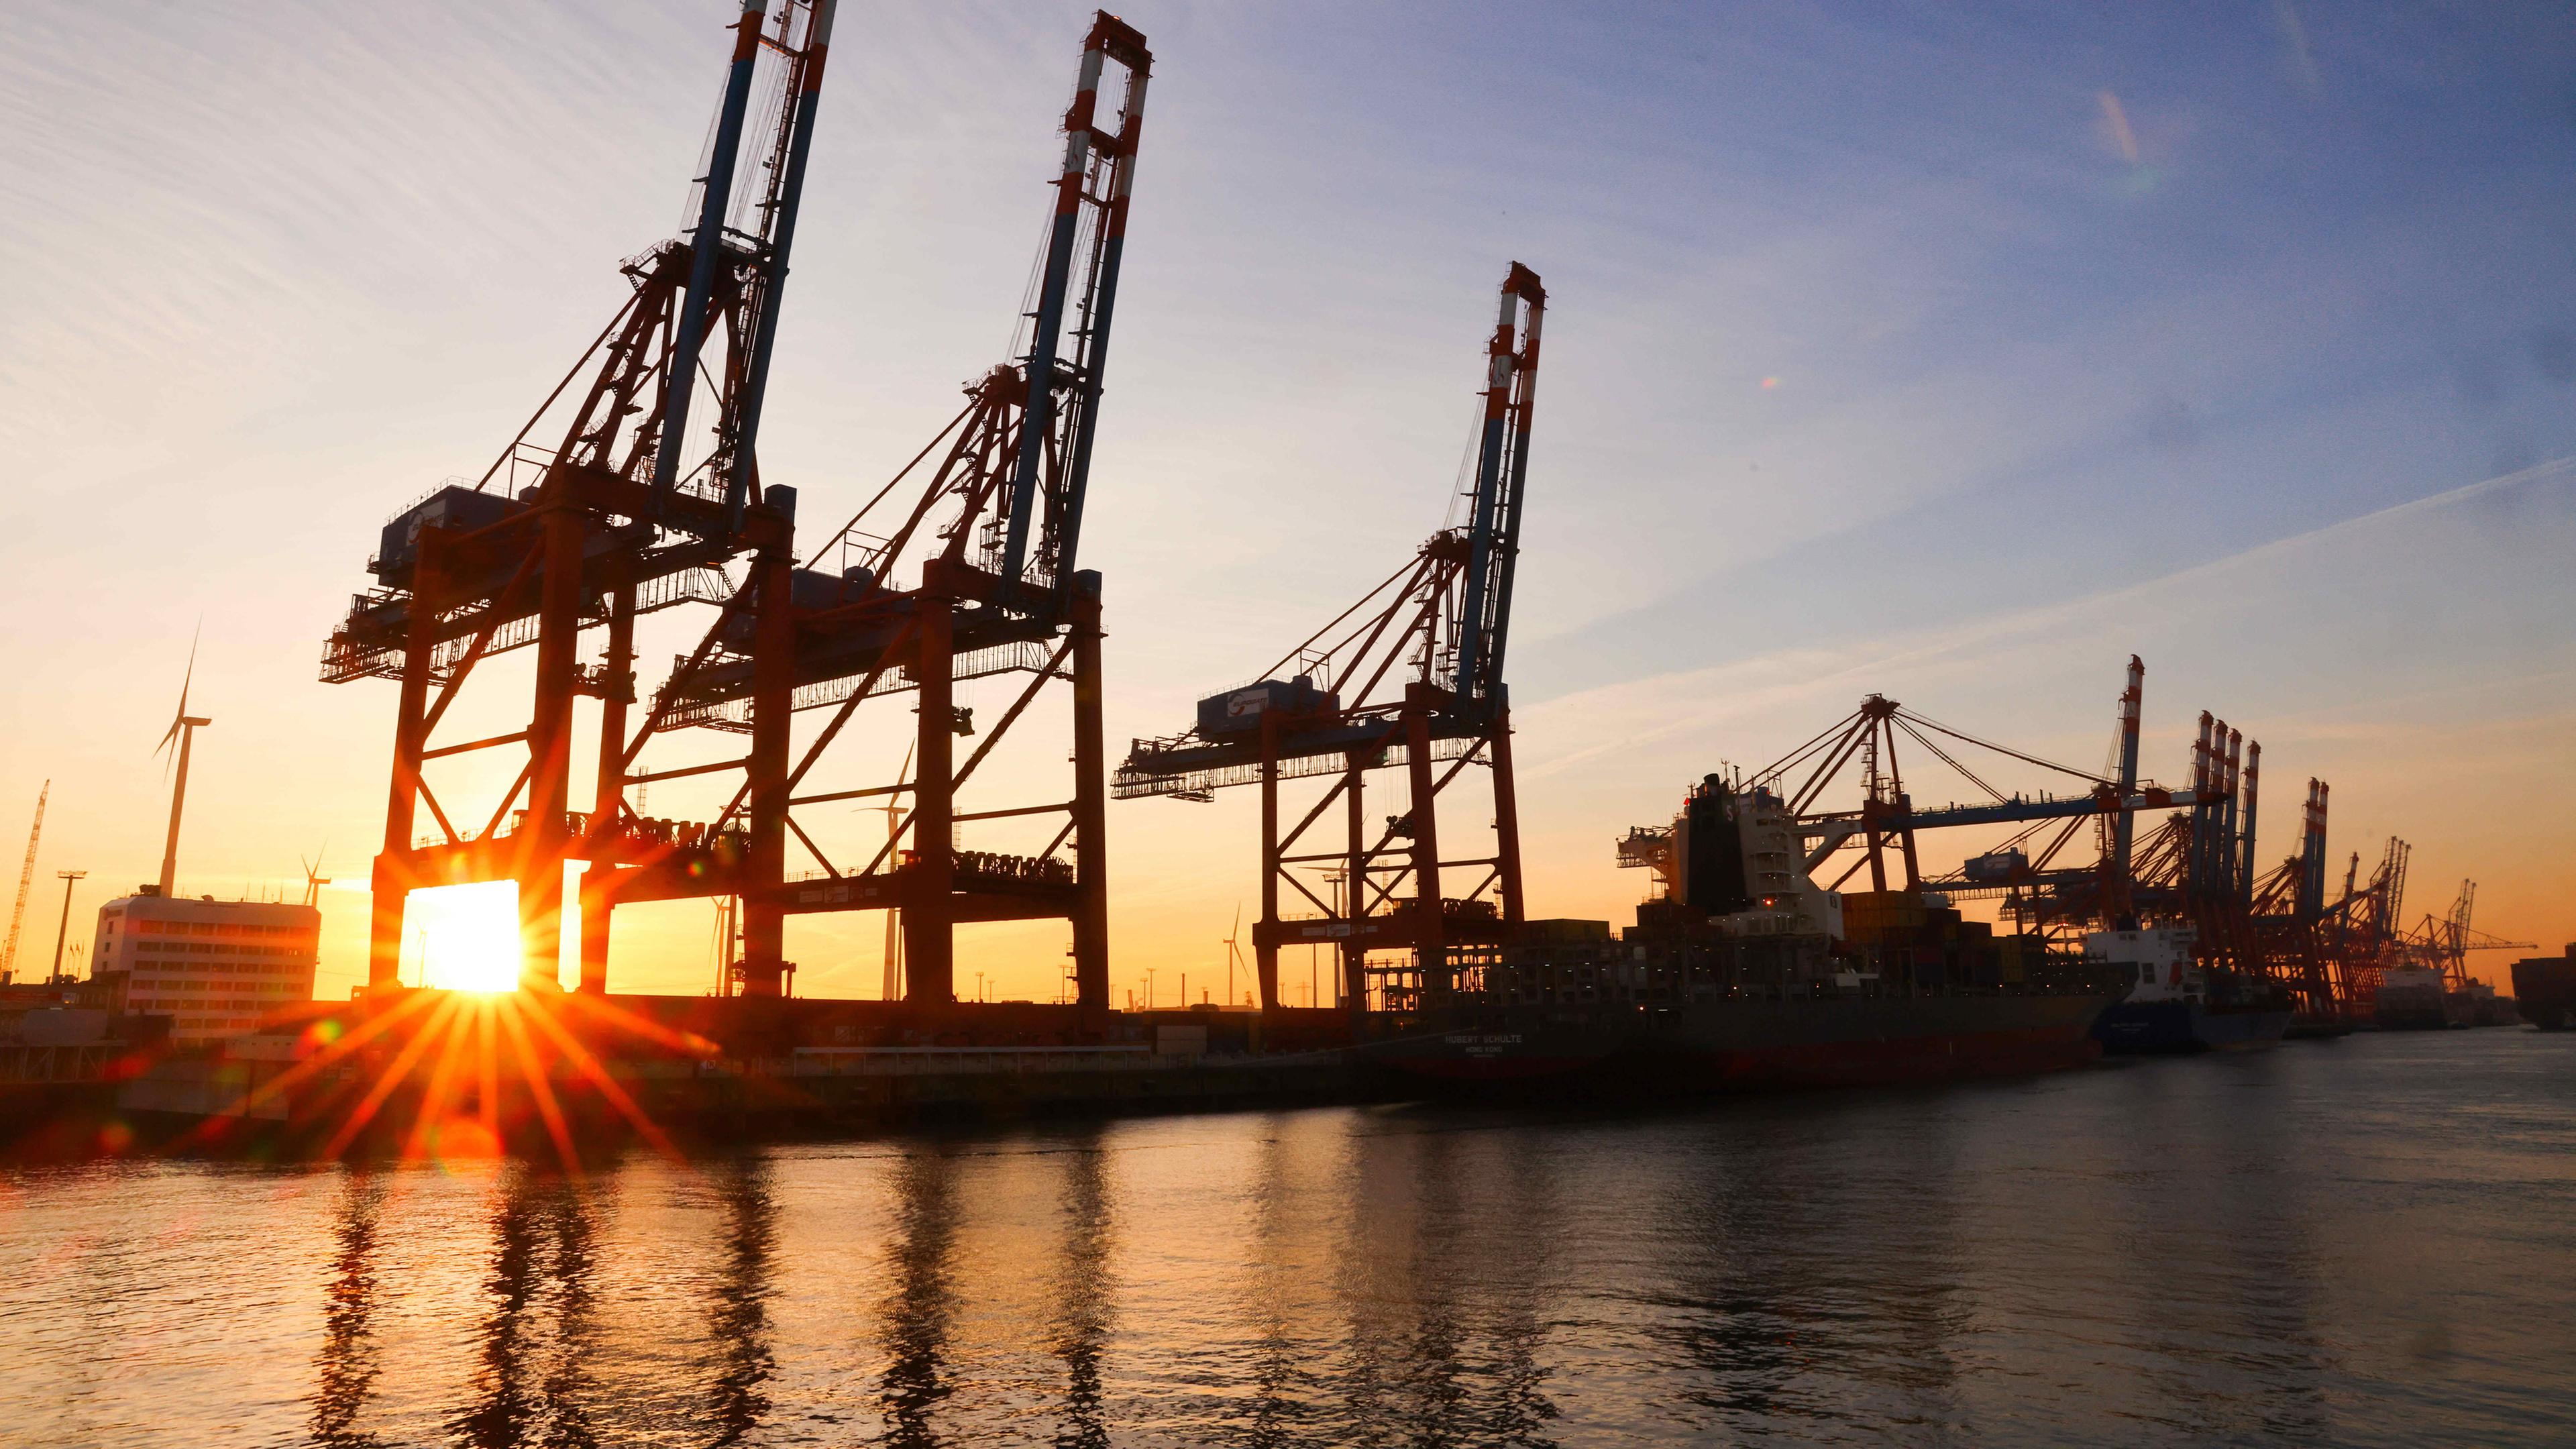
<point x="183" y="728"/>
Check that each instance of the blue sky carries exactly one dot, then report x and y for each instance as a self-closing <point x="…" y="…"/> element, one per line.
<point x="2192" y="331"/>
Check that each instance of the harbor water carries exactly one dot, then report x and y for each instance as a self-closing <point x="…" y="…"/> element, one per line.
<point x="2356" y="1242"/>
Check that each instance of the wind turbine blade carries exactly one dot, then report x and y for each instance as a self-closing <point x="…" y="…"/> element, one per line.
<point x="190" y="677"/>
<point x="185" y="680"/>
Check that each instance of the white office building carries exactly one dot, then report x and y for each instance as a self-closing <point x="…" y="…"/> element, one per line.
<point x="216" y="967"/>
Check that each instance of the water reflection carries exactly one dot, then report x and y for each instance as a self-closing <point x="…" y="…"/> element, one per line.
<point x="2273" y="1251"/>
<point x="1277" y="1303"/>
<point x="1799" y="1285"/>
<point x="1516" y="1287"/>
<point x="530" y="1382"/>
<point x="345" y="1369"/>
<point x="1441" y="1284"/>
<point x="1084" y="1307"/>
<point x="738" y="1322"/>
<point x="921" y="1300"/>
<point x="2250" y="1362"/>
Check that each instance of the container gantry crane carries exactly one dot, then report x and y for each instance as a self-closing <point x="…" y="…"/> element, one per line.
<point x="2195" y="869"/>
<point x="2444" y="943"/>
<point x="627" y="513"/>
<point x="993" y="530"/>
<point x="2358" y="932"/>
<point x="2286" y="918"/>
<point x="1410" y="676"/>
<point x="1885" y="823"/>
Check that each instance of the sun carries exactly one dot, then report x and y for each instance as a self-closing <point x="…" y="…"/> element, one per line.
<point x="466" y="936"/>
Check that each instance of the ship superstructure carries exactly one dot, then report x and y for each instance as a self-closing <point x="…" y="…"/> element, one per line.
<point x="2176" y="1000"/>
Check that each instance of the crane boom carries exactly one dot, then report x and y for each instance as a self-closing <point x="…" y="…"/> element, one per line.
<point x="716" y="192"/>
<point x="1502" y="473"/>
<point x="26" y="880"/>
<point x="1099" y="171"/>
<point x="796" y="143"/>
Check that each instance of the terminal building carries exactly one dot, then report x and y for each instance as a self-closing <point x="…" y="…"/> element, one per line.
<point x="216" y="968"/>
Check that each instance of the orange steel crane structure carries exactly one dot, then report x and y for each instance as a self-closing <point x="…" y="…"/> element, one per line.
<point x="2024" y="868"/>
<point x="2196" y="868"/>
<point x="627" y="513"/>
<point x="1411" y="676"/>
<point x="2360" y="932"/>
<point x="992" y="531"/>
<point x="2444" y="943"/>
<point x="2285" y="919"/>
<point x="632" y="512"/>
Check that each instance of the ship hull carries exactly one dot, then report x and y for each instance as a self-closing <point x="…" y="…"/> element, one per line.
<point x="2417" y="1016"/>
<point x="2177" y="1028"/>
<point x="1732" y="1044"/>
<point x="2544" y="991"/>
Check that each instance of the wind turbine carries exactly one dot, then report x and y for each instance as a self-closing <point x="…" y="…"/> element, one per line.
<point x="183" y="728"/>
<point x="1233" y="952"/>
<point x="313" y="883"/>
<point x="893" y="987"/>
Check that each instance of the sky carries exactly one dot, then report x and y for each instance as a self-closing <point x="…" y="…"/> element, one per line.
<point x="1954" y="353"/>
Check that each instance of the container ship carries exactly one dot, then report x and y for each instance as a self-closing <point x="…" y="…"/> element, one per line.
<point x="1743" y="973"/>
<point x="2418" y="998"/>
<point x="2176" y="1004"/>
<point x="2544" y="989"/>
<point x="2476" y="1004"/>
